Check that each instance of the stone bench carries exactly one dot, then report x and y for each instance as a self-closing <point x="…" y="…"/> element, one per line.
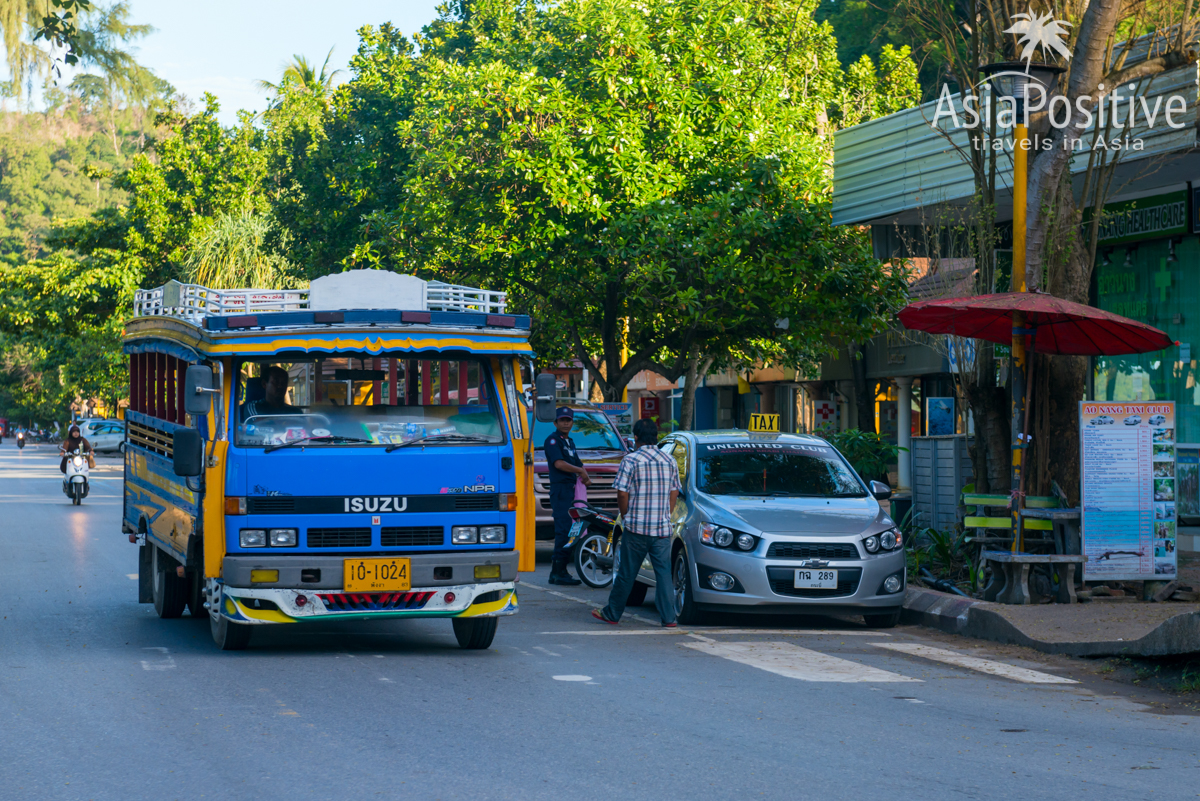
<point x="1009" y="583"/>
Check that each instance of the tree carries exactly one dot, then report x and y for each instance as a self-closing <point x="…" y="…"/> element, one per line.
<point x="302" y="75"/>
<point x="234" y="252"/>
<point x="607" y="162"/>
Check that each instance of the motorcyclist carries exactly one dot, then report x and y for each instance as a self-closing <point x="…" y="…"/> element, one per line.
<point x="75" y="441"/>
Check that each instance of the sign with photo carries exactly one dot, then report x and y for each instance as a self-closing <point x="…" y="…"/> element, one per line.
<point x="1129" y="490"/>
<point x="1187" y="480"/>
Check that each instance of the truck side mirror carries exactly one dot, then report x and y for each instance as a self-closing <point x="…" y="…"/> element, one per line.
<point x="187" y="452"/>
<point x="197" y="386"/>
<point x="880" y="490"/>
<point x="543" y="401"/>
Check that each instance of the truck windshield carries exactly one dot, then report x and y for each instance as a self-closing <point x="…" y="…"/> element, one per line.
<point x="784" y="469"/>
<point x="352" y="400"/>
<point x="592" y="431"/>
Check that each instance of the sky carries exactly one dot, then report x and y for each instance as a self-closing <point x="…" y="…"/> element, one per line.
<point x="226" y="47"/>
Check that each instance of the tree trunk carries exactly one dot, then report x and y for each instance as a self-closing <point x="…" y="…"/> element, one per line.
<point x="697" y="368"/>
<point x="864" y="397"/>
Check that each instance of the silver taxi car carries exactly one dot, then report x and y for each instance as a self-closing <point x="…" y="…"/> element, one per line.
<point x="779" y="523"/>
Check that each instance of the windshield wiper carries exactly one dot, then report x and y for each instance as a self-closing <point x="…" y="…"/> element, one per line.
<point x="441" y="437"/>
<point x="303" y="440"/>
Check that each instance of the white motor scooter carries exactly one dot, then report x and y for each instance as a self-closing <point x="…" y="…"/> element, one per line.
<point x="75" y="482"/>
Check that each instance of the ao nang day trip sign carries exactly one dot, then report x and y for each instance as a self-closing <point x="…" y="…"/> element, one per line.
<point x="1128" y="489"/>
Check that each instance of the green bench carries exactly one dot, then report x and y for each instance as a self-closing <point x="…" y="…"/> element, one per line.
<point x="981" y="520"/>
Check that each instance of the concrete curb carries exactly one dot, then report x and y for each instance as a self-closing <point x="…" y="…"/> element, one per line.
<point x="965" y="616"/>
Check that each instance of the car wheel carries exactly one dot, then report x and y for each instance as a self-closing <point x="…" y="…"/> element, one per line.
<point x="170" y="591"/>
<point x="121" y="448"/>
<point x="637" y="594"/>
<point x="685" y="607"/>
<point x="474" y="633"/>
<point x="885" y="621"/>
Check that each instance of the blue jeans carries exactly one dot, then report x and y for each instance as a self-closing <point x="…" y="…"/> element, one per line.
<point x="632" y="551"/>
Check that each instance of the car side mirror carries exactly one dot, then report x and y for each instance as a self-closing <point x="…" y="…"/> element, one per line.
<point x="187" y="452"/>
<point x="630" y="443"/>
<point x="543" y="402"/>
<point x="880" y="490"/>
<point x="197" y="386"/>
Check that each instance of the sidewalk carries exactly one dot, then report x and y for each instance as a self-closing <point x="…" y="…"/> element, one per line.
<point x="1100" y="628"/>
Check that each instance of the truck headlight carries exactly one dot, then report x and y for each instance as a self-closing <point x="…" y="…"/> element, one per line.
<point x="464" y="535"/>
<point x="283" y="538"/>
<point x="252" y="538"/>
<point x="493" y="535"/>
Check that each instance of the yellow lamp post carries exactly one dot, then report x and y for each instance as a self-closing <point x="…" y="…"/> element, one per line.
<point x="1016" y="82"/>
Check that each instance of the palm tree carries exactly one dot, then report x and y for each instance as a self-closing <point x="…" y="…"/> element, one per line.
<point x="303" y="75"/>
<point x="24" y="59"/>
<point x="233" y="253"/>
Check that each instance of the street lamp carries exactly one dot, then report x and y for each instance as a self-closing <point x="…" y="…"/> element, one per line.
<point x="1015" y="80"/>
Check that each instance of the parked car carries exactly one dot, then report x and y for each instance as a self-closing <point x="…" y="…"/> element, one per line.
<point x="106" y="435"/>
<point x="600" y="448"/>
<point x="779" y="524"/>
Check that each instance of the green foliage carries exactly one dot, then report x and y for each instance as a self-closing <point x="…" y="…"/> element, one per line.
<point x="869" y="453"/>
<point x="232" y="252"/>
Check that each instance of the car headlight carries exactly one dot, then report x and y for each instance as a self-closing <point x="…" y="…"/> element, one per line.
<point x="253" y="538"/>
<point x="871" y="544"/>
<point x="495" y="535"/>
<point x="723" y="537"/>
<point x="745" y="542"/>
<point x="283" y="538"/>
<point x="889" y="539"/>
<point x="77" y="461"/>
<point x="464" y="535"/>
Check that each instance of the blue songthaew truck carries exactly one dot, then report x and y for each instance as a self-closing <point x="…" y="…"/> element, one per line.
<point x="355" y="450"/>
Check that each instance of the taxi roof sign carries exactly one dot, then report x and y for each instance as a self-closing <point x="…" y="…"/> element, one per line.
<point x="767" y="423"/>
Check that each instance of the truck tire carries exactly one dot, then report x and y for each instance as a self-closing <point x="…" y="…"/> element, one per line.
<point x="196" y="597"/>
<point x="474" y="633"/>
<point x="170" y="591"/>
<point x="229" y="636"/>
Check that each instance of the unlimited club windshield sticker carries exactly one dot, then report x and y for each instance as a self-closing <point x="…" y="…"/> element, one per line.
<point x="764" y="447"/>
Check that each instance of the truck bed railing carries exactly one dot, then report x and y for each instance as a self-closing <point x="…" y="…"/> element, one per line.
<point x="193" y="302"/>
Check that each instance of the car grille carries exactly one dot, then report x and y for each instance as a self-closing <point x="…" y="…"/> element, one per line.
<point x="783" y="579"/>
<point x="476" y="503"/>
<point x="412" y="535"/>
<point x="339" y="537"/>
<point x="374" y="601"/>
<point x="812" y="550"/>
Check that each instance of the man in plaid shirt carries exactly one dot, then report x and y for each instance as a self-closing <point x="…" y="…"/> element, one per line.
<point x="647" y="487"/>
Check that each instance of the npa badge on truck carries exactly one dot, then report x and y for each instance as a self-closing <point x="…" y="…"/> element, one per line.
<point x="376" y="503"/>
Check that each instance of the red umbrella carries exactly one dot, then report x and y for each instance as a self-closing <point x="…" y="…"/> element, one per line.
<point x="1062" y="327"/>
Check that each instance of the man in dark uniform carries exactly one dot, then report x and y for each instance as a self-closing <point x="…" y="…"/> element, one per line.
<point x="565" y="467"/>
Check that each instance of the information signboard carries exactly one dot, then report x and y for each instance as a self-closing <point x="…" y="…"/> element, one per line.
<point x="1128" y="490"/>
<point x="622" y="416"/>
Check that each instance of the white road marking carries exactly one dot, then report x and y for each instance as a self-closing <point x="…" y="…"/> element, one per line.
<point x="132" y="576"/>
<point x="389" y="681"/>
<point x="975" y="663"/>
<point x="167" y="662"/>
<point x="679" y="631"/>
<point x="910" y="700"/>
<point x="545" y="651"/>
<point x="593" y="604"/>
<point x="572" y="678"/>
<point x="795" y="662"/>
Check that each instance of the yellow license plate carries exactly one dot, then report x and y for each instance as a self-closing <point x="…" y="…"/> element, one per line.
<point x="377" y="575"/>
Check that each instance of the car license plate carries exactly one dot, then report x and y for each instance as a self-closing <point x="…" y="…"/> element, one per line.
<point x="377" y="575"/>
<point x="816" y="579"/>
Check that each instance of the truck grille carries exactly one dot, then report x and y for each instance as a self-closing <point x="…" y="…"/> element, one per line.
<point x="274" y="504"/>
<point x="339" y="537"/>
<point x="812" y="550"/>
<point x="374" y="601"/>
<point x="476" y="503"/>
<point x="412" y="535"/>
<point x="783" y="581"/>
<point x="600" y="482"/>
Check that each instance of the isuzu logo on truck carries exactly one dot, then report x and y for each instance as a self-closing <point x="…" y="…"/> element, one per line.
<point x="376" y="503"/>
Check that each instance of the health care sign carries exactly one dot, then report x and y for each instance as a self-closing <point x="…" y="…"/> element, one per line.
<point x="1128" y="490"/>
<point x="1115" y="110"/>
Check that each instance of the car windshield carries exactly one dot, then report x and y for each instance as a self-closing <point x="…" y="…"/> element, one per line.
<point x="353" y="400"/>
<point x="592" y="431"/>
<point x="774" y="468"/>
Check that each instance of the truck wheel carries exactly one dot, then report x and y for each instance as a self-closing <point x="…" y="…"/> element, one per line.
<point x="170" y="591"/>
<point x="227" y="635"/>
<point x="474" y="633"/>
<point x="196" y="597"/>
<point x="637" y="594"/>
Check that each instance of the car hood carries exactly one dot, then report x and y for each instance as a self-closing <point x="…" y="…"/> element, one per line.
<point x="835" y="517"/>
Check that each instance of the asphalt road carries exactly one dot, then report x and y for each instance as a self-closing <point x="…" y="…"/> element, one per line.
<point x="99" y="699"/>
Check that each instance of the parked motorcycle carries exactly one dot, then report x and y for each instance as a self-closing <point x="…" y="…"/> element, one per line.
<point x="593" y="545"/>
<point x="75" y="482"/>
